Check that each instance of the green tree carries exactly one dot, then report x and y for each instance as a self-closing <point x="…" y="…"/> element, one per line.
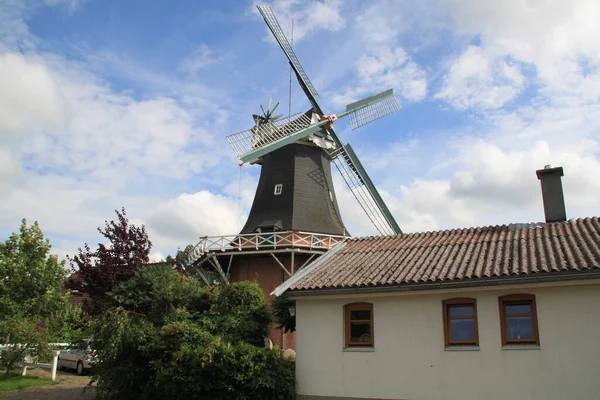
<point x="167" y="336"/>
<point x="280" y="307"/>
<point x="23" y="336"/>
<point x="159" y="292"/>
<point x="239" y="313"/>
<point x="32" y="277"/>
<point x="68" y="325"/>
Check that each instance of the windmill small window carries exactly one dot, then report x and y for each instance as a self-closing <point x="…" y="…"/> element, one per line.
<point x="278" y="189"/>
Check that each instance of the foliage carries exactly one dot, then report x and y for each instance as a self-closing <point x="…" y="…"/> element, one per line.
<point x="280" y="307"/>
<point x="170" y="337"/>
<point x="196" y="364"/>
<point x="25" y="336"/>
<point x="180" y="258"/>
<point x="123" y="370"/>
<point x="33" y="308"/>
<point x="32" y="278"/>
<point x="68" y="325"/>
<point x="157" y="293"/>
<point x="180" y="261"/>
<point x="18" y="382"/>
<point x="100" y="271"/>
<point x="240" y="313"/>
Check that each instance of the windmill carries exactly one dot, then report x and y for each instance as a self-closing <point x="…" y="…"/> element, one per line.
<point x="294" y="216"/>
<point x="314" y="127"/>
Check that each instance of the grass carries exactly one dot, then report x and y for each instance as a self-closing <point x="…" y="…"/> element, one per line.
<point x="15" y="381"/>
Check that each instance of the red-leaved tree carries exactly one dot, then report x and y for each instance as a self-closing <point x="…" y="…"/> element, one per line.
<point x="98" y="272"/>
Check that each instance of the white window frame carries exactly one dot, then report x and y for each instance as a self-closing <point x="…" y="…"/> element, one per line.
<point x="278" y="189"/>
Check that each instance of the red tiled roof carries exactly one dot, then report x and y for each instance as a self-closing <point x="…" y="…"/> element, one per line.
<point x="459" y="255"/>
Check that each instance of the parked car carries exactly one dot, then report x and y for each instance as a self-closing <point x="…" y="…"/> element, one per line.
<point x="80" y="356"/>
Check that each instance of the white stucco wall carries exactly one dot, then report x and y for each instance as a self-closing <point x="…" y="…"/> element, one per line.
<point x="409" y="360"/>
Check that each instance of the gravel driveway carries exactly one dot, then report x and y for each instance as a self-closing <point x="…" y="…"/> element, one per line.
<point x="70" y="387"/>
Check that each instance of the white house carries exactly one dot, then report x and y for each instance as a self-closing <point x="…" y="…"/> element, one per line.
<point x="500" y="312"/>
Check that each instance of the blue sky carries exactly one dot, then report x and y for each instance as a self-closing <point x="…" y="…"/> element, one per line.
<point x="109" y="104"/>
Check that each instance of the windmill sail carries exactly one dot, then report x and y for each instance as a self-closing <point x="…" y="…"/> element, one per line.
<point x="264" y="134"/>
<point x="305" y="83"/>
<point x="372" y="108"/>
<point x="264" y="138"/>
<point x="363" y="189"/>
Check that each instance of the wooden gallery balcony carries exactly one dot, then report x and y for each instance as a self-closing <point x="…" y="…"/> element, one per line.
<point x="210" y="249"/>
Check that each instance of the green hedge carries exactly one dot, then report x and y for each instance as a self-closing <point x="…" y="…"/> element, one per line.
<point x="188" y="343"/>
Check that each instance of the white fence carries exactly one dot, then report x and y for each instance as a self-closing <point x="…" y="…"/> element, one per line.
<point x="32" y="361"/>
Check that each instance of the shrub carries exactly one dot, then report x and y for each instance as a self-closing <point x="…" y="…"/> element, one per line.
<point x="196" y="343"/>
<point x="239" y="313"/>
<point x="156" y="292"/>
<point x="280" y="307"/>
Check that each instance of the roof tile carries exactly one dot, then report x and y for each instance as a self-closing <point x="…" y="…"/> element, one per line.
<point x="460" y="254"/>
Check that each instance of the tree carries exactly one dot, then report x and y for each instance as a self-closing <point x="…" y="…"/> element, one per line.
<point x="32" y="277"/>
<point x="23" y="336"/>
<point x="33" y="307"/>
<point x="99" y="272"/>
<point x="159" y="292"/>
<point x="280" y="307"/>
<point x="169" y="337"/>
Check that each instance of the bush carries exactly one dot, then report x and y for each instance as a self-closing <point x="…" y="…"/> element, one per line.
<point x="157" y="292"/>
<point x="239" y="313"/>
<point x="280" y="307"/>
<point x="196" y="343"/>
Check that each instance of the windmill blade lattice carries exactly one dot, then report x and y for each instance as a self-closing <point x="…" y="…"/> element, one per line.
<point x="263" y="134"/>
<point x="364" y="191"/>
<point x="375" y="107"/>
<point x="264" y="138"/>
<point x="305" y="83"/>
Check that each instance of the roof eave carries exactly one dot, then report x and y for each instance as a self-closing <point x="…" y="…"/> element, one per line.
<point x="423" y="286"/>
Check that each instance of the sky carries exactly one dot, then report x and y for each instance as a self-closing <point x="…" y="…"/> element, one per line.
<point x="109" y="104"/>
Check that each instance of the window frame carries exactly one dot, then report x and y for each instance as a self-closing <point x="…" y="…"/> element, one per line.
<point x="459" y="301"/>
<point x="363" y="306"/>
<point x="518" y="299"/>
<point x="280" y="187"/>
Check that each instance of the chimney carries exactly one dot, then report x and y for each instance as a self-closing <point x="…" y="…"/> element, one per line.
<point x="552" y="193"/>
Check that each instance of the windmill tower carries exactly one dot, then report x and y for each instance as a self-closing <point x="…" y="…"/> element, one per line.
<point x="295" y="216"/>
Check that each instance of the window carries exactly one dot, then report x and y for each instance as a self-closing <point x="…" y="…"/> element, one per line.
<point x="518" y="320"/>
<point x="278" y="189"/>
<point x="359" y="325"/>
<point x="460" y="322"/>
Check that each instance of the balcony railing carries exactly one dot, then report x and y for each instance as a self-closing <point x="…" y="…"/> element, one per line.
<point x="263" y="241"/>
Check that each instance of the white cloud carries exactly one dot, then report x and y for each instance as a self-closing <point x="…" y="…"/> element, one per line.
<point x="30" y="97"/>
<point x="477" y="80"/>
<point x="183" y="220"/>
<point x="498" y="185"/>
<point x="156" y="256"/>
<point x="201" y="57"/>
<point x="560" y="39"/>
<point x="381" y="68"/>
<point x="308" y="17"/>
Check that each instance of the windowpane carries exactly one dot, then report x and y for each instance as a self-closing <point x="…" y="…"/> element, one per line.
<point x="462" y="329"/>
<point x="360" y="315"/>
<point x="360" y="332"/>
<point x="461" y="311"/>
<point x="518" y="308"/>
<point x="519" y="327"/>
